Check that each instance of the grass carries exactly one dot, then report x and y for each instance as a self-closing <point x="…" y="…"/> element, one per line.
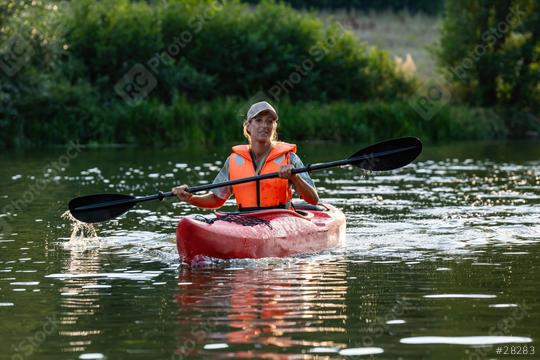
<point x="398" y="33"/>
<point x="152" y="123"/>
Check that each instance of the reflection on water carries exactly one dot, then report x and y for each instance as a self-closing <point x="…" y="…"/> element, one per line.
<point x="441" y="262"/>
<point x="266" y="308"/>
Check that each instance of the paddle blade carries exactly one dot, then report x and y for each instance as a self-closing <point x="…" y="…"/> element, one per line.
<point x="388" y="155"/>
<point x="101" y="207"/>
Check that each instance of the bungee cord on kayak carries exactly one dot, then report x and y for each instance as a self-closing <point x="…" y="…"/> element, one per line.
<point x="234" y="218"/>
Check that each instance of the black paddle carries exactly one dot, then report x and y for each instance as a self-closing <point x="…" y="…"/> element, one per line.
<point x="386" y="155"/>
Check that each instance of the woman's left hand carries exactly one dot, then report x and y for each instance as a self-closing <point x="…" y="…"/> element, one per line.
<point x="286" y="172"/>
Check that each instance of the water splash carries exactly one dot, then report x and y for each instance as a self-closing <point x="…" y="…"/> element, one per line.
<point x="79" y="230"/>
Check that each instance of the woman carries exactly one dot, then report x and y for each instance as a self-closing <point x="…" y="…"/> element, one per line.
<point x="263" y="155"/>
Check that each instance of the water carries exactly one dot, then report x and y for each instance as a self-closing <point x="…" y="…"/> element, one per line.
<point x="441" y="262"/>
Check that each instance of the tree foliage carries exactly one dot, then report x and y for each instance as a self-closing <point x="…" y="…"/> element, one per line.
<point x="490" y="51"/>
<point x="205" y="50"/>
<point x="65" y="60"/>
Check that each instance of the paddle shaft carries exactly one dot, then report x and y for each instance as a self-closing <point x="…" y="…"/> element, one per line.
<point x="308" y="168"/>
<point x="194" y="189"/>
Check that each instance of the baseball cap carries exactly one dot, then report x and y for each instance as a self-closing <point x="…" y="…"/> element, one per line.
<point x="259" y="107"/>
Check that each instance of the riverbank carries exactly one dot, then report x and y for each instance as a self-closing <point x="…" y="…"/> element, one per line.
<point x="334" y="76"/>
<point x="152" y="123"/>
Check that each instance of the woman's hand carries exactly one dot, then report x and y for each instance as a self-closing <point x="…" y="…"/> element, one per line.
<point x="181" y="193"/>
<point x="306" y="191"/>
<point x="285" y="172"/>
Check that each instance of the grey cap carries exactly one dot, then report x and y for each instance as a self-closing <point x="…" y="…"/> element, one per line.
<point x="259" y="107"/>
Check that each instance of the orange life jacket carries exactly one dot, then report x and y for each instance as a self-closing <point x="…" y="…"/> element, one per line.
<point x="262" y="193"/>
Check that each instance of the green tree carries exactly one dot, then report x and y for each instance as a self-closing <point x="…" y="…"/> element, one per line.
<point x="490" y="51"/>
<point x="206" y="50"/>
<point x="31" y="47"/>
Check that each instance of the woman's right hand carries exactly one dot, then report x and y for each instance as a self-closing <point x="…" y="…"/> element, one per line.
<point x="181" y="193"/>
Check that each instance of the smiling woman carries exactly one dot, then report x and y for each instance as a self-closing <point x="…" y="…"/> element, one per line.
<point x="264" y="154"/>
<point x="264" y="122"/>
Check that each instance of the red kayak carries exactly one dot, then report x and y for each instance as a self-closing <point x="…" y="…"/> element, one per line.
<point x="259" y="234"/>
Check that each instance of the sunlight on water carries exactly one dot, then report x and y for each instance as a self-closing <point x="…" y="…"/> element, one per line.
<point x="440" y="260"/>
<point x="460" y="296"/>
<point x="466" y="340"/>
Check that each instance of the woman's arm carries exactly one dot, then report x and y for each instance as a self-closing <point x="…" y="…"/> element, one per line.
<point x="206" y="201"/>
<point x="306" y="191"/>
<point x="212" y="200"/>
<point x="302" y="183"/>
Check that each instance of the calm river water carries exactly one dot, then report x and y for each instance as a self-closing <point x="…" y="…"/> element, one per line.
<point x="442" y="261"/>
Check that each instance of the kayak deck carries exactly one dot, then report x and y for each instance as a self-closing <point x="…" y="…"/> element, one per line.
<point x="266" y="233"/>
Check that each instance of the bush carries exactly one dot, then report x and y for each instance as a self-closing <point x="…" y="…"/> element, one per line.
<point x="31" y="46"/>
<point x="110" y="36"/>
<point x="60" y="112"/>
<point x="201" y="51"/>
<point x="206" y="50"/>
<point x="208" y="58"/>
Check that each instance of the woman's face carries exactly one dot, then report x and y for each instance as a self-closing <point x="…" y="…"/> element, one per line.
<point x="261" y="127"/>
